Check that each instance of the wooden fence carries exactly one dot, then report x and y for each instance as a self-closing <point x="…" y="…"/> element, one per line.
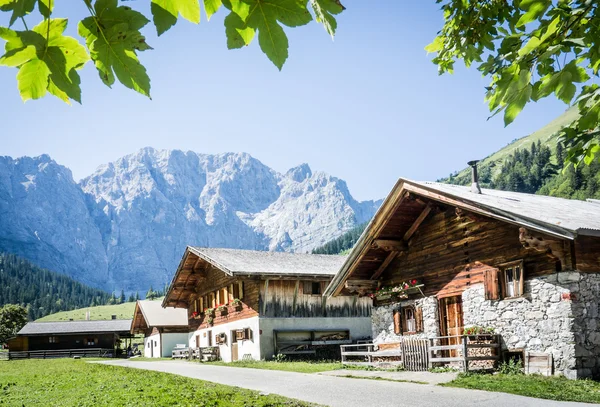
<point x="459" y="352"/>
<point x="411" y="353"/>
<point x="63" y="353"/>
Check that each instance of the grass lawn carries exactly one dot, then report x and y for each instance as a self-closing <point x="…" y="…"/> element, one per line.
<point x="67" y="382"/>
<point x="101" y="312"/>
<point x="551" y="388"/>
<point x="288" y="366"/>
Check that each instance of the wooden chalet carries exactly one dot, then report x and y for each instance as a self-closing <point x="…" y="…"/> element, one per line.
<point x="443" y="260"/>
<point x="69" y="338"/>
<point x="163" y="328"/>
<point x="252" y="305"/>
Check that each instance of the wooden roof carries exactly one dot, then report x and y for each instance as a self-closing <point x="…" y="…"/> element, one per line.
<point x="150" y="314"/>
<point x="196" y="262"/>
<point x="410" y="202"/>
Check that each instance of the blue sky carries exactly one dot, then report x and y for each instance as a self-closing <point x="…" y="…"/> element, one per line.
<point x="368" y="107"/>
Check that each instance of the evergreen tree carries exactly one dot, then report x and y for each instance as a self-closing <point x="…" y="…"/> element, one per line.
<point x="42" y="291"/>
<point x="122" y="297"/>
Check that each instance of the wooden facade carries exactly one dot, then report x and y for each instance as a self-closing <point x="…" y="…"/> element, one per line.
<point x="203" y="287"/>
<point x="449" y="243"/>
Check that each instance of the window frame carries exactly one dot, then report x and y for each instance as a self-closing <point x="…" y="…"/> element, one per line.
<point x="312" y="285"/>
<point x="518" y="285"/>
<point x="405" y="319"/>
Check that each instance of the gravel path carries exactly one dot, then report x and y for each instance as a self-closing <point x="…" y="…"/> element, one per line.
<point x="339" y="391"/>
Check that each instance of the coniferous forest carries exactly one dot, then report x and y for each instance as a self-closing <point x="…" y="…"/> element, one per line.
<point x="42" y="291"/>
<point x="536" y="170"/>
<point x="343" y="243"/>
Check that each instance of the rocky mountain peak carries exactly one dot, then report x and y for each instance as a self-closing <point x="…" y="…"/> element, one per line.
<point x="129" y="222"/>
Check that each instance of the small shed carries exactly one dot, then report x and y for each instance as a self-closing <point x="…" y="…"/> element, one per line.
<point x="70" y="335"/>
<point x="163" y="328"/>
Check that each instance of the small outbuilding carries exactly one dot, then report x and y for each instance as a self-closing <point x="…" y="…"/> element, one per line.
<point x="56" y="339"/>
<point x="163" y="328"/>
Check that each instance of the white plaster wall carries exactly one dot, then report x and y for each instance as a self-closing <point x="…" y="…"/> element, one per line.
<point x="247" y="347"/>
<point x="169" y="340"/>
<point x="359" y="327"/>
<point x="147" y="343"/>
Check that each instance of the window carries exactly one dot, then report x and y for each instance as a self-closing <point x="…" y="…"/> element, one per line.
<point x="504" y="282"/>
<point x="53" y="339"/>
<point x="90" y="341"/>
<point x="408" y="320"/>
<point x="511" y="276"/>
<point x="410" y="323"/>
<point x="243" y="334"/>
<point x="312" y="288"/>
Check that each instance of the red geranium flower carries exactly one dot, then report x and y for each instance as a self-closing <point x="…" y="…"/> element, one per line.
<point x="414" y="282"/>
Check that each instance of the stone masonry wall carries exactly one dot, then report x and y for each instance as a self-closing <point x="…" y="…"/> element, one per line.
<point x="382" y="318"/>
<point x="559" y="314"/>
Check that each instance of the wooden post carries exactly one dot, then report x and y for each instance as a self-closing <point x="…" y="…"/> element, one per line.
<point x="264" y="310"/>
<point x="465" y="353"/>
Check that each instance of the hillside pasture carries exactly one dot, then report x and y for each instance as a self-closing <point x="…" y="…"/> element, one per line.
<point x="102" y="312"/>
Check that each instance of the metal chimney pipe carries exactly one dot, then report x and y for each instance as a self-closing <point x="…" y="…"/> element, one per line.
<point x="474" y="177"/>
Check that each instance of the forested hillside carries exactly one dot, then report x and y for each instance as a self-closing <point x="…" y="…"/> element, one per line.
<point x="42" y="291"/>
<point x="343" y="243"/>
<point x="534" y="164"/>
<point x="539" y="170"/>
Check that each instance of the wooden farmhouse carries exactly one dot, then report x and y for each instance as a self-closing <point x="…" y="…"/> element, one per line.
<point x="163" y="328"/>
<point x="440" y="259"/>
<point x="69" y="338"/>
<point x="253" y="305"/>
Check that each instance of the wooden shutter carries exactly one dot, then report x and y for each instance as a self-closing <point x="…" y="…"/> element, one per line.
<point x="490" y="282"/>
<point x="307" y="289"/>
<point x="398" y="322"/>
<point x="236" y="290"/>
<point x="419" y="319"/>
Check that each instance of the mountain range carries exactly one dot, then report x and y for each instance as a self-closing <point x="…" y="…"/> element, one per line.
<point x="126" y="225"/>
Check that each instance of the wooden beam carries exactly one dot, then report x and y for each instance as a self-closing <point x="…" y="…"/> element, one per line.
<point x="384" y="265"/>
<point x="418" y="222"/>
<point x="361" y="287"/>
<point x="390" y="245"/>
<point x="196" y="264"/>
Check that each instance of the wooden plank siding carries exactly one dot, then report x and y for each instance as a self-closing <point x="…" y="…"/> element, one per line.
<point x="449" y="253"/>
<point x="587" y="254"/>
<point x="286" y="298"/>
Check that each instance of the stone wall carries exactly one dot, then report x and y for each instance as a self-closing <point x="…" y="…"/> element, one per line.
<point x="585" y="295"/>
<point x="382" y="318"/>
<point x="559" y="314"/>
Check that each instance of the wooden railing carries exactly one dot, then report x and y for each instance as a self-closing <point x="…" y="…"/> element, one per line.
<point x="411" y="353"/>
<point x="3" y="355"/>
<point x="438" y="353"/>
<point x="62" y="353"/>
<point x="418" y="354"/>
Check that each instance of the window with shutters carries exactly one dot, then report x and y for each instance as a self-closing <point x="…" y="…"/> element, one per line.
<point x="408" y="320"/>
<point x="504" y="282"/>
<point x="512" y="279"/>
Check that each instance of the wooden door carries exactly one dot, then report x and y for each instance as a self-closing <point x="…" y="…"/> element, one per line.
<point x="451" y="321"/>
<point x="234" y="346"/>
<point x="197" y="341"/>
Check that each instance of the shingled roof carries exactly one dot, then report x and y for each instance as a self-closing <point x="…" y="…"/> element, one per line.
<point x="120" y="326"/>
<point x="235" y="262"/>
<point x="244" y="262"/>
<point x="152" y="314"/>
<point x="567" y="217"/>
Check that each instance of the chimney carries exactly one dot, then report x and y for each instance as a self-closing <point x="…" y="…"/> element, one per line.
<point x="113" y="317"/>
<point x="474" y="177"/>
